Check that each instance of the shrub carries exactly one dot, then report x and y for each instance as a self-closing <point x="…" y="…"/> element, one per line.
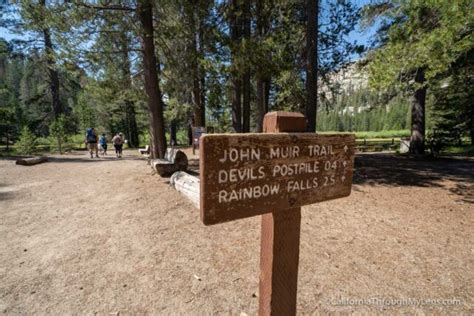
<point x="26" y="144"/>
<point x="58" y="131"/>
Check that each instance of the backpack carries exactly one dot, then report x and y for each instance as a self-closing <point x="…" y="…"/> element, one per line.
<point x="117" y="140"/>
<point x="90" y="136"/>
<point x="103" y="140"/>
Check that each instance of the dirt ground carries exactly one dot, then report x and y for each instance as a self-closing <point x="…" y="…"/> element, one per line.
<point x="106" y="236"/>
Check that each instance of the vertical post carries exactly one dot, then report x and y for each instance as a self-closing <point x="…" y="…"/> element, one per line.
<point x="280" y="238"/>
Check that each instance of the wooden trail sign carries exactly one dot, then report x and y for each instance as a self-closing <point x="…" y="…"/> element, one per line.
<point x="273" y="175"/>
<point x="244" y="175"/>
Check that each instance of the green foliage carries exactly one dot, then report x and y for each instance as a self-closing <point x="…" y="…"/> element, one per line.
<point x="84" y="111"/>
<point x="58" y="131"/>
<point x="97" y="56"/>
<point x="26" y="144"/>
<point x="453" y="107"/>
<point x="176" y="111"/>
<point x="359" y="111"/>
<point x="425" y="34"/>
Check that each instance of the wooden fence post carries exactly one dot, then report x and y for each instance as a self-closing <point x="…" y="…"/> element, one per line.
<point x="280" y="238"/>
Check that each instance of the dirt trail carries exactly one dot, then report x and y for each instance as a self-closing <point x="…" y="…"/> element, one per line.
<point x="106" y="236"/>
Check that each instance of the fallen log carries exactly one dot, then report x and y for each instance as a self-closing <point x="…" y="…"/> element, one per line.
<point x="31" y="161"/>
<point x="175" y="160"/>
<point x="186" y="184"/>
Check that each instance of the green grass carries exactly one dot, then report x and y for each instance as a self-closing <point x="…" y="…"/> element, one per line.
<point x="383" y="134"/>
<point x="459" y="150"/>
<point x="376" y="135"/>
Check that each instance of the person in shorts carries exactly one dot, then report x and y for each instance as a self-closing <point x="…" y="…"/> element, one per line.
<point x="91" y="141"/>
<point x="118" y="144"/>
<point x="103" y="144"/>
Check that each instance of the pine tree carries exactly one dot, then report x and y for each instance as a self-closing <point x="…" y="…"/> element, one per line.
<point x="423" y="40"/>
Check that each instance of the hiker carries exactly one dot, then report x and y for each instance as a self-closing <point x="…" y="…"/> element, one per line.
<point x="118" y="144"/>
<point x="91" y="141"/>
<point x="103" y="144"/>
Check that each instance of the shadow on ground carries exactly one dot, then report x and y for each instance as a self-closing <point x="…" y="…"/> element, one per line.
<point x="87" y="159"/>
<point x="399" y="170"/>
<point x="79" y="159"/>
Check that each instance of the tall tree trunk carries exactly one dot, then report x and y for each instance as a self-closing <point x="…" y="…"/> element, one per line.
<point x="131" y="124"/>
<point x="152" y="88"/>
<point x="263" y="79"/>
<point x="470" y="117"/>
<point x="268" y="84"/>
<point x="235" y="30"/>
<point x="417" y="139"/>
<point x="260" y="102"/>
<point x="246" y="77"/>
<point x="472" y="131"/>
<point x="246" y="103"/>
<point x="203" y="98"/>
<point x="190" y="133"/>
<point x="173" y="127"/>
<point x="195" y="26"/>
<point x="130" y="113"/>
<point x="53" y="74"/>
<point x="312" y="8"/>
<point x="199" y="112"/>
<point x="236" y="105"/>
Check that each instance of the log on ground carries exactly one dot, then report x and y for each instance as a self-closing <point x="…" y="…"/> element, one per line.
<point x="163" y="167"/>
<point x="175" y="160"/>
<point x="188" y="185"/>
<point x="31" y="161"/>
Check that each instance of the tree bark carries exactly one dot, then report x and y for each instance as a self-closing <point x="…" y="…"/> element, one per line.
<point x="173" y="127"/>
<point x="263" y="79"/>
<point x="190" y="133"/>
<point x="235" y="28"/>
<point x="417" y="139"/>
<point x="471" y="132"/>
<point x="263" y="96"/>
<point x="52" y="72"/>
<point x="246" y="76"/>
<point x="312" y="7"/>
<point x="260" y="102"/>
<point x="199" y="106"/>
<point x="130" y="113"/>
<point x="470" y="115"/>
<point x="131" y="124"/>
<point x="203" y="98"/>
<point x="155" y="102"/>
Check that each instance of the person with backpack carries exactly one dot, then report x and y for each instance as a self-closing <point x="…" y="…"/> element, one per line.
<point x="118" y="144"/>
<point x="103" y="143"/>
<point x="91" y="141"/>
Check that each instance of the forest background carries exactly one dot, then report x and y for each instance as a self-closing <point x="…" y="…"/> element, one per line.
<point x="153" y="69"/>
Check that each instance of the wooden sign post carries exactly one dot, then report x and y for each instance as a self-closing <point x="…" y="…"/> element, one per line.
<point x="273" y="175"/>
